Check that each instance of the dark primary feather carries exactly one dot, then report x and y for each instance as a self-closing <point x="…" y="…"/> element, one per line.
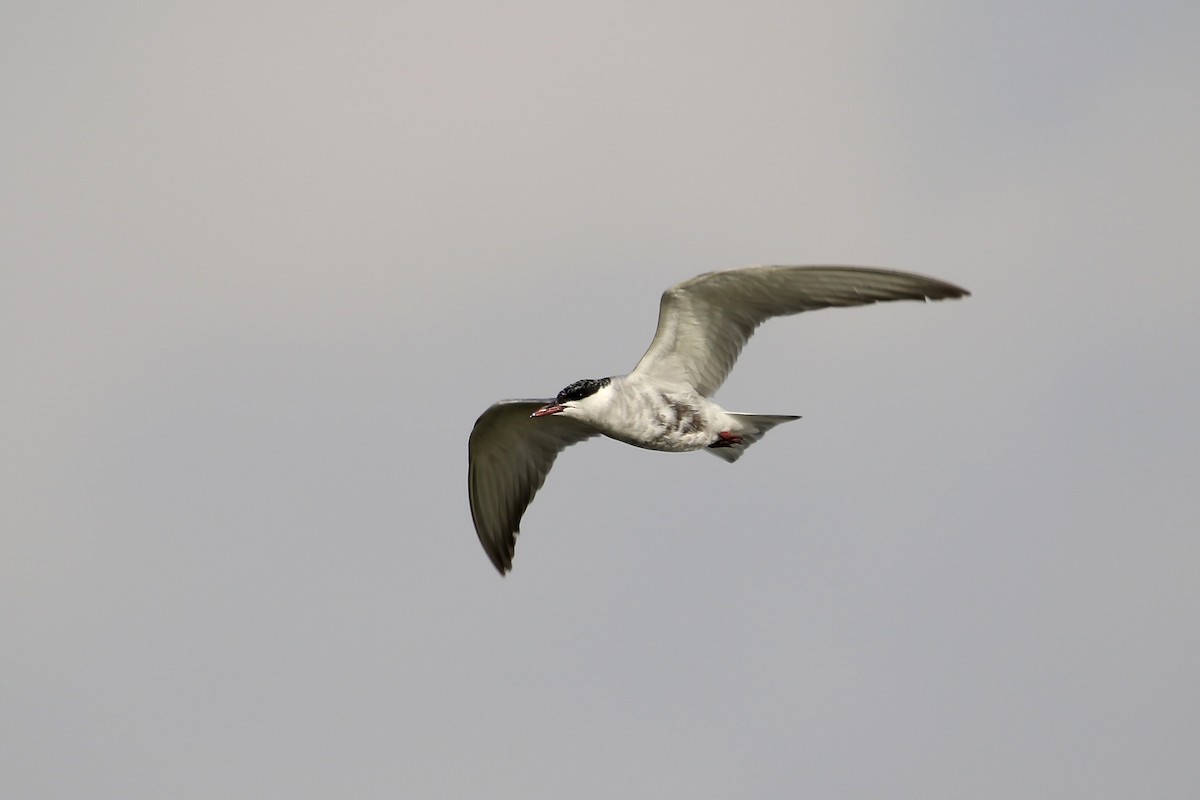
<point x="509" y="455"/>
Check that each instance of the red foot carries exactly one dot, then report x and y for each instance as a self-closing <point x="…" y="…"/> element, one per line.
<point x="726" y="439"/>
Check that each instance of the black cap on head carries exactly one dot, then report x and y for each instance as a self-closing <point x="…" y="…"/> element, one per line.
<point x="581" y="389"/>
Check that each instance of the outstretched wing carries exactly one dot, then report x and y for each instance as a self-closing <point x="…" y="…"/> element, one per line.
<point x="509" y="456"/>
<point x="703" y="323"/>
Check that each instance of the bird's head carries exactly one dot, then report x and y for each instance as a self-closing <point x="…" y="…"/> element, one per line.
<point x="569" y="398"/>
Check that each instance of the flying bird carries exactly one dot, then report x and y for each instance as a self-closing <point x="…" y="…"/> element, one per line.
<point x="664" y="403"/>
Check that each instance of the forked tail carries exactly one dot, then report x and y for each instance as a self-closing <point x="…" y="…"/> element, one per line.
<point x="750" y="428"/>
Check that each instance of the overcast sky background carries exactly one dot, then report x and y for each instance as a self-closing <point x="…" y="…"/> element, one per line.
<point x="263" y="264"/>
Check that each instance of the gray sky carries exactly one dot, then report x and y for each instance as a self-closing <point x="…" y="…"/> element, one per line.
<point x="263" y="264"/>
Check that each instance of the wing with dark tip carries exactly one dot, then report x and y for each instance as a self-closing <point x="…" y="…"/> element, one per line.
<point x="703" y="323"/>
<point x="509" y="456"/>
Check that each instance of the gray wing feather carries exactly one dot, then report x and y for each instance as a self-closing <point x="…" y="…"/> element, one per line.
<point x="703" y="323"/>
<point x="509" y="456"/>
